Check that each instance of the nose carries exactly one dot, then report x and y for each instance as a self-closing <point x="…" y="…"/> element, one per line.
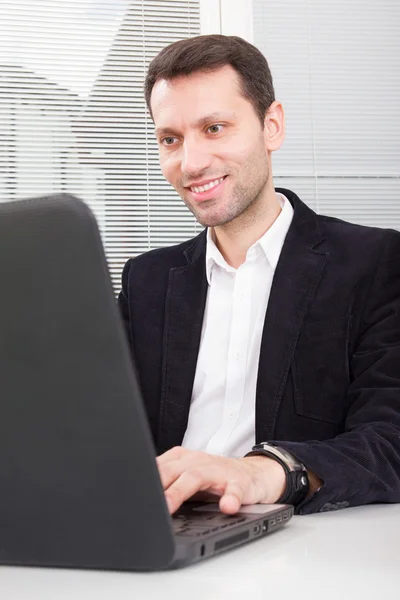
<point x="195" y="158"/>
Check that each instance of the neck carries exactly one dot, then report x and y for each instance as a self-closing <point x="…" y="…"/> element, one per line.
<point x="235" y="238"/>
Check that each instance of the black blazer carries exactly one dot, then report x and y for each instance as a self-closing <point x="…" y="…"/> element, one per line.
<point x="329" y="372"/>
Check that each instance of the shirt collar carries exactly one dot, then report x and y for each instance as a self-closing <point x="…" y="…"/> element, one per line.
<point x="270" y="243"/>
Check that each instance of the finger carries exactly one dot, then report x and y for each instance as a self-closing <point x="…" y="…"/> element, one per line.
<point x="177" y="462"/>
<point x="169" y="472"/>
<point x="189" y="483"/>
<point x="232" y="498"/>
<point x="174" y="453"/>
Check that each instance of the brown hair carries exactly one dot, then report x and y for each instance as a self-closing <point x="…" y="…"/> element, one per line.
<point x="210" y="52"/>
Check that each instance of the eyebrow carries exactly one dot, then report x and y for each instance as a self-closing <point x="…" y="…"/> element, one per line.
<point x="211" y="118"/>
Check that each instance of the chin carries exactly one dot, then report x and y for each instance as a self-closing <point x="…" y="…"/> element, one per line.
<point x="210" y="218"/>
<point x="212" y="221"/>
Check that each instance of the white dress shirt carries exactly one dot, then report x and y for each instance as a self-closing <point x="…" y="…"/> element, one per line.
<point x="222" y="410"/>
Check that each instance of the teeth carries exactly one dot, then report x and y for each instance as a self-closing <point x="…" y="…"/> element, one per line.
<point x="207" y="186"/>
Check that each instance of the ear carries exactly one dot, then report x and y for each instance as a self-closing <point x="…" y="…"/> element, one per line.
<point x="274" y="127"/>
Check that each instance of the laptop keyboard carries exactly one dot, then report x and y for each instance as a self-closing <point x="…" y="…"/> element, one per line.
<point x="196" y="525"/>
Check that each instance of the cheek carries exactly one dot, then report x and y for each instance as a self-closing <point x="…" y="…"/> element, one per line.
<point x="241" y="159"/>
<point x="242" y="149"/>
<point x="253" y="157"/>
<point x="169" y="168"/>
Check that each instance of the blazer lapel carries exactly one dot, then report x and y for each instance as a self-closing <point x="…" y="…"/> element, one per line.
<point x="296" y="279"/>
<point x="184" y="310"/>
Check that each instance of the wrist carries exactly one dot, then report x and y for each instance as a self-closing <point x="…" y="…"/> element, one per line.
<point x="270" y="477"/>
<point x="297" y="482"/>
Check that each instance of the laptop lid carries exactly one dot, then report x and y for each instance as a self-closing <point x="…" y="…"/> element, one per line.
<point x="79" y="483"/>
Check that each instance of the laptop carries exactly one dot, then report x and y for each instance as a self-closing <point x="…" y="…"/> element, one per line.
<point x="79" y="484"/>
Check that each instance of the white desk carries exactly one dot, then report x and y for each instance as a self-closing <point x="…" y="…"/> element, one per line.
<point x="349" y="554"/>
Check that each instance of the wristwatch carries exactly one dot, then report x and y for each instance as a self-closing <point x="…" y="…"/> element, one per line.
<point x="297" y="483"/>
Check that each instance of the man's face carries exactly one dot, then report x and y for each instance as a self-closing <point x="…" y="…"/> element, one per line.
<point x="211" y="143"/>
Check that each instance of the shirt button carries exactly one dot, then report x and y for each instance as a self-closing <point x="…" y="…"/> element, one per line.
<point x="237" y="355"/>
<point x="231" y="415"/>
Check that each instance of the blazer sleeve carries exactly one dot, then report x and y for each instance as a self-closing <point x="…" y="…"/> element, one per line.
<point x="123" y="301"/>
<point x="362" y="465"/>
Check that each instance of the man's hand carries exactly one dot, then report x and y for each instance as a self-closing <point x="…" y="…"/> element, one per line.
<point x="236" y="481"/>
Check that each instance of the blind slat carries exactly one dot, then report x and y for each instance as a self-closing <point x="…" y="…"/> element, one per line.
<point x="73" y="116"/>
<point x="336" y="71"/>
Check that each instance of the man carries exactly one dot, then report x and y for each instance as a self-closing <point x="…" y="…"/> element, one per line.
<point x="274" y="326"/>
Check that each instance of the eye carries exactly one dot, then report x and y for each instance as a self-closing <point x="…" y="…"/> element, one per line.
<point x="216" y="128"/>
<point x="168" y="140"/>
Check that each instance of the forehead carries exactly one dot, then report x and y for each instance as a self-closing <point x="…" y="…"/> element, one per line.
<point x="197" y="94"/>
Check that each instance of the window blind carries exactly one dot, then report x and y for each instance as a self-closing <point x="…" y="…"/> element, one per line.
<point x="73" y="116"/>
<point x="336" y="69"/>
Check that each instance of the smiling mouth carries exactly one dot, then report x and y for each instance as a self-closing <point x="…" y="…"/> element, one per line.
<point x="208" y="186"/>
